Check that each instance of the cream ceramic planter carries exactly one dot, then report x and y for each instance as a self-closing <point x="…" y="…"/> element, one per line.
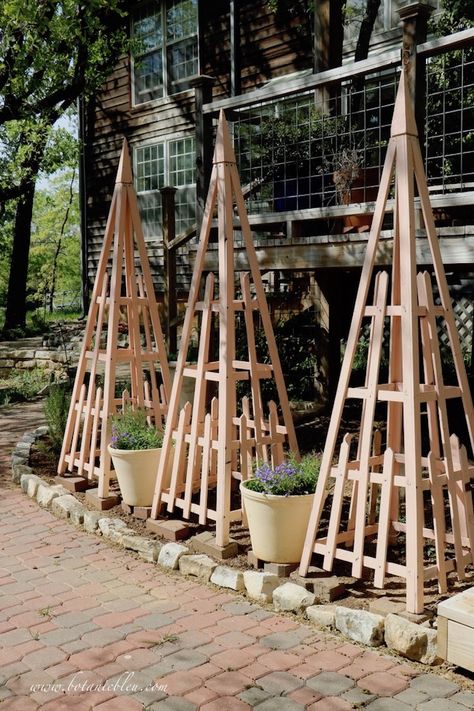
<point x="136" y="471"/>
<point x="277" y="524"/>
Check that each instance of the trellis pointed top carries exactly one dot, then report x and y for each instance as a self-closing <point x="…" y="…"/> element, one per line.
<point x="214" y="442"/>
<point x="403" y="120"/>
<point x="123" y="338"/>
<point x="224" y="150"/>
<point x="418" y="453"/>
<point x="124" y="171"/>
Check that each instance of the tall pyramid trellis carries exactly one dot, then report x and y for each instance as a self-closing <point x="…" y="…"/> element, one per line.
<point x="207" y="443"/>
<point x="123" y="302"/>
<point x="418" y="457"/>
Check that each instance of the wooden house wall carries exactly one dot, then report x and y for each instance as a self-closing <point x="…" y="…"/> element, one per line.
<point x="270" y="47"/>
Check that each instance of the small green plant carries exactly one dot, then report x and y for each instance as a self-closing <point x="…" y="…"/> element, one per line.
<point x="290" y="478"/>
<point x="56" y="408"/>
<point x="130" y="430"/>
<point x="45" y="612"/>
<point x="171" y="638"/>
<point x="23" y="385"/>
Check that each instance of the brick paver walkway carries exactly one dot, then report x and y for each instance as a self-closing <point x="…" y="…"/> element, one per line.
<point x="86" y="626"/>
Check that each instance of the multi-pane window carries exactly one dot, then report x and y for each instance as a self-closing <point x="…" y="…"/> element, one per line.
<point x="167" y="52"/>
<point x="168" y="163"/>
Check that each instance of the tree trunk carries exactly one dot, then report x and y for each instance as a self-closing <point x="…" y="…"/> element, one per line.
<point x="362" y="52"/>
<point x="15" y="316"/>
<point x="366" y="28"/>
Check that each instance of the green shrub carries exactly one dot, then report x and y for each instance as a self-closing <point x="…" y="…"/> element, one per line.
<point x="56" y="408"/>
<point x="23" y="385"/>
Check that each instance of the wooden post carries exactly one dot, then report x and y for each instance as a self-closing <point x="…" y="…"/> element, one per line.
<point x="414" y="19"/>
<point x="204" y="141"/>
<point x="169" y="267"/>
<point x="234" y="24"/>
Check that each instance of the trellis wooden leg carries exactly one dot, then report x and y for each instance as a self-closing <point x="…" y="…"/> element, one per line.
<point x="464" y="495"/>
<point x="439" y="526"/>
<point x="198" y="412"/>
<point x="381" y="285"/>
<point x="205" y="469"/>
<point x="386" y="491"/>
<point x="180" y="453"/>
<point x="374" y="488"/>
<point x="346" y="370"/>
<point x="337" y="502"/>
<point x="276" y="444"/>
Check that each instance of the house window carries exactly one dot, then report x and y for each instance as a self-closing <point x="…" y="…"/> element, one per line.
<point x="168" y="163"/>
<point x="167" y="55"/>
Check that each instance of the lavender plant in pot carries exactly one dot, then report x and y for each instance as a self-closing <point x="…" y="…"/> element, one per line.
<point x="277" y="502"/>
<point x="135" y="448"/>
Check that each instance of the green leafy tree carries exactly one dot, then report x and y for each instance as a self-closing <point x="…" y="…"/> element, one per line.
<point x="55" y="246"/>
<point x="51" y="52"/>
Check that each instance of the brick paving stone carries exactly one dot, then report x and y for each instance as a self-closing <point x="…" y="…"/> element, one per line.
<point x="466" y="698"/>
<point x="330" y="683"/>
<point x="231" y="659"/>
<point x="233" y="682"/>
<point x="357" y="697"/>
<point x="254" y="671"/>
<point x="120" y="704"/>
<point x="280" y="704"/>
<point x="201" y="696"/>
<point x="389" y="705"/>
<point x="279" y="683"/>
<point x="329" y="661"/>
<point x="173" y="703"/>
<point x="226" y="703"/>
<point x="411" y="697"/>
<point x="279" y="661"/>
<point x="234" y="640"/>
<point x="206" y="671"/>
<point x="42" y="659"/>
<point x="305" y="696"/>
<point x="383" y="684"/>
<point x="434" y="686"/>
<point x="180" y="683"/>
<point x="331" y="703"/>
<point x="186" y="659"/>
<point x="441" y="704"/>
<point x="254" y="696"/>
<point x="281" y="640"/>
<point x="21" y="703"/>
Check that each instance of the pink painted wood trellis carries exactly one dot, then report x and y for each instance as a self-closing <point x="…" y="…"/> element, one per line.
<point x="407" y="483"/>
<point x="123" y="301"/>
<point x="208" y="444"/>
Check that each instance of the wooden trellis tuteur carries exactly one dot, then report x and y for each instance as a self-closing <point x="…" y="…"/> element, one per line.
<point x="123" y="302"/>
<point x="415" y="481"/>
<point x="209" y="443"/>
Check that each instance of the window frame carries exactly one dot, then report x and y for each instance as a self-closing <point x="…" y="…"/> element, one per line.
<point x="166" y="79"/>
<point x="165" y="141"/>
